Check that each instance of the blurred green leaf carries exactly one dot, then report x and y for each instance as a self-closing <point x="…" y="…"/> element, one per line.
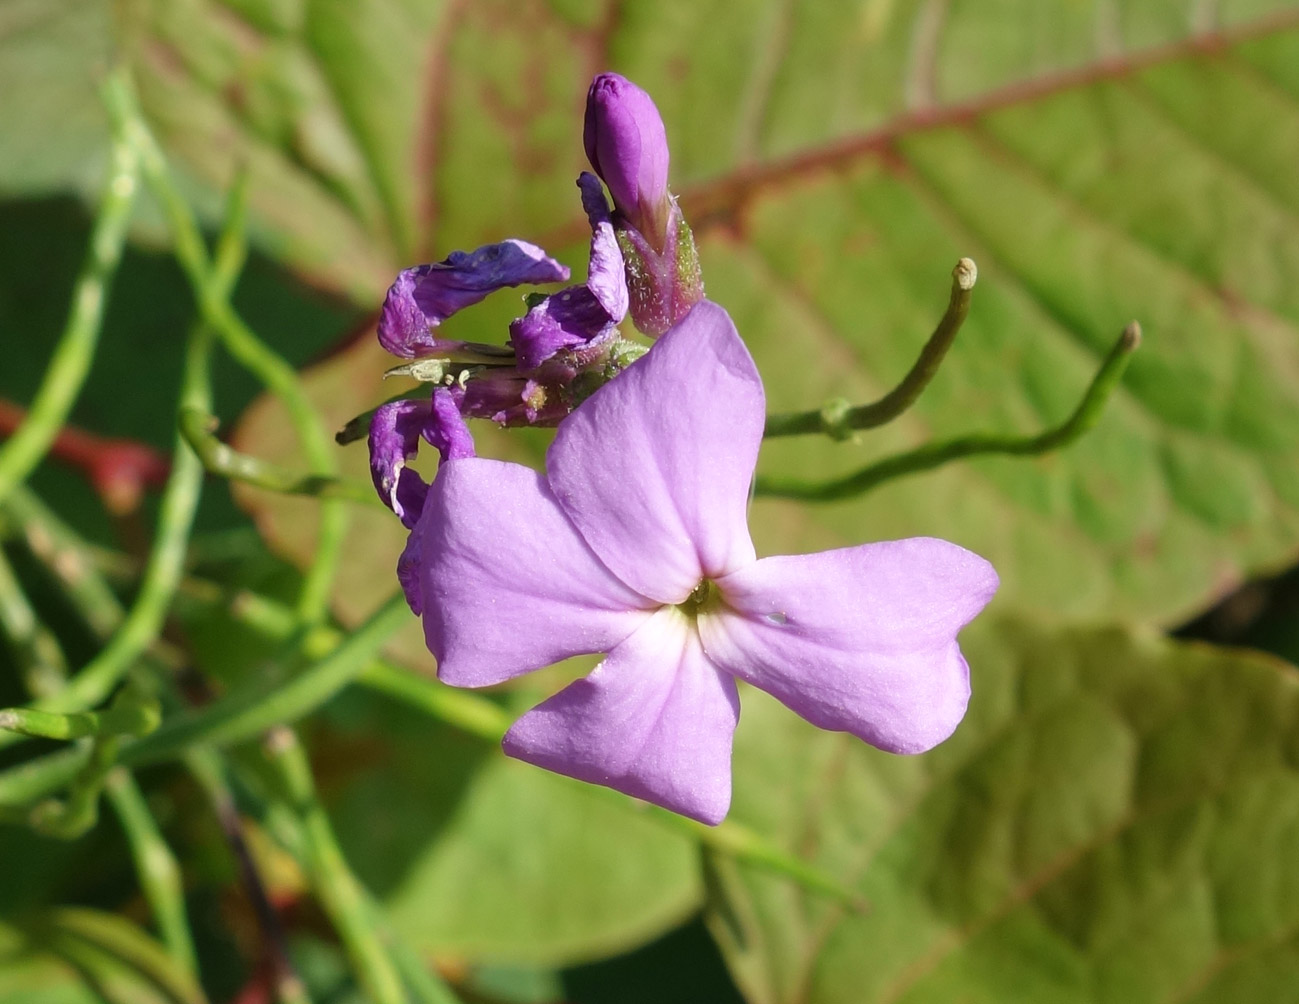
<point x="1115" y="820"/>
<point x="480" y="857"/>
<point x="52" y="54"/>
<point x="76" y="955"/>
<point x="1099" y="168"/>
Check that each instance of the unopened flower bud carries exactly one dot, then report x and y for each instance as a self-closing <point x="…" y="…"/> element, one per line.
<point x="628" y="148"/>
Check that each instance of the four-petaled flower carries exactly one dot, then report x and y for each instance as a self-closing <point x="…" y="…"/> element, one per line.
<point x="635" y="544"/>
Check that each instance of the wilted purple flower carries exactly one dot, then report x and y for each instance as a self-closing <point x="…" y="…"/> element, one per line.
<point x="582" y="315"/>
<point x="426" y="295"/>
<point x="635" y="544"/>
<point x="395" y="432"/>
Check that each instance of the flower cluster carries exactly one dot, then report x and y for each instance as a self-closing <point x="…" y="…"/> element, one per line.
<point x="634" y="542"/>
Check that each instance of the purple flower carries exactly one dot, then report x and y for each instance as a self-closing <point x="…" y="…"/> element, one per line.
<point x="635" y="544"/>
<point x="426" y="295"/>
<point x="579" y="315"/>
<point x="628" y="148"/>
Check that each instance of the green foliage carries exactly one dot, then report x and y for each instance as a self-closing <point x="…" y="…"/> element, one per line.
<point x="1114" y="821"/>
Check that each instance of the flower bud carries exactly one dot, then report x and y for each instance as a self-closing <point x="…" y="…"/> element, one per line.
<point x="628" y="148"/>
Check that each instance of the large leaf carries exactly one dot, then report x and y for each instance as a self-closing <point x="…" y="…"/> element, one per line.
<point x="50" y="57"/>
<point x="1101" y="162"/>
<point x="82" y="956"/>
<point x="480" y="857"/>
<point x="1114" y="821"/>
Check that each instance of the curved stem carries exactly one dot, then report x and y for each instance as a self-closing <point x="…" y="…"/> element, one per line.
<point x="335" y="885"/>
<point x="156" y="866"/>
<point x="163" y="571"/>
<point x="130" y="718"/>
<point x="76" y="348"/>
<point x="219" y="458"/>
<point x="838" y="419"/>
<point x="35" y="649"/>
<point x="245" y="713"/>
<point x="933" y="455"/>
<point x="242" y="343"/>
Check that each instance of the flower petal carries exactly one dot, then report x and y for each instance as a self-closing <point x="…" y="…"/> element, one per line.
<point x="579" y="315"/>
<point x="859" y="640"/>
<point x="507" y="584"/>
<point x="446" y="429"/>
<point x="394" y="440"/>
<point x="569" y="318"/>
<point x="605" y="275"/>
<point x="654" y="720"/>
<point x="426" y="295"/>
<point x="654" y="468"/>
<point x="408" y="569"/>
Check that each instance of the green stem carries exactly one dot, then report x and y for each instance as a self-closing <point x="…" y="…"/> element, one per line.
<point x="75" y="351"/>
<point x="198" y="428"/>
<point x="163" y="570"/>
<point x="78" y="812"/>
<point x="246" y="713"/>
<point x="57" y="546"/>
<point x="471" y="714"/>
<point x="358" y="428"/>
<point x="927" y="457"/>
<point x="126" y="943"/>
<point x="156" y="866"/>
<point x="162" y="573"/>
<point x="35" y="649"/>
<point x="129" y="718"/>
<point x="242" y="343"/>
<point x="335" y="886"/>
<point x="209" y="770"/>
<point x="24" y="784"/>
<point x="838" y="419"/>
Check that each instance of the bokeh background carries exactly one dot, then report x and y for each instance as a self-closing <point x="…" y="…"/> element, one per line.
<point x="1118" y="818"/>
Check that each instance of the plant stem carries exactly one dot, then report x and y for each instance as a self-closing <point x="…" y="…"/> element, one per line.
<point x="218" y="458"/>
<point x="72" y="357"/>
<point x="67" y="558"/>
<point x="932" y="455"/>
<point x="838" y="419"/>
<point x="242" y="343"/>
<point x="27" y="782"/>
<point x="126" y="943"/>
<point x="245" y="713"/>
<point x="335" y="886"/>
<point x="35" y="649"/>
<point x="130" y="718"/>
<point x="156" y="866"/>
<point x="78" y="812"/>
<point x="163" y="570"/>
<point x="209" y="771"/>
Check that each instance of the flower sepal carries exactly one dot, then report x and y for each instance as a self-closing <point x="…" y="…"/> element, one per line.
<point x="662" y="287"/>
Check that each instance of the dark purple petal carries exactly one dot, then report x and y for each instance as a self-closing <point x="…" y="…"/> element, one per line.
<point x="394" y="440"/>
<point x="579" y="315"/>
<point x="568" y="319"/>
<point x="445" y="428"/>
<point x="510" y="398"/>
<point x="654" y="720"/>
<point x="426" y="295"/>
<point x="628" y="147"/>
